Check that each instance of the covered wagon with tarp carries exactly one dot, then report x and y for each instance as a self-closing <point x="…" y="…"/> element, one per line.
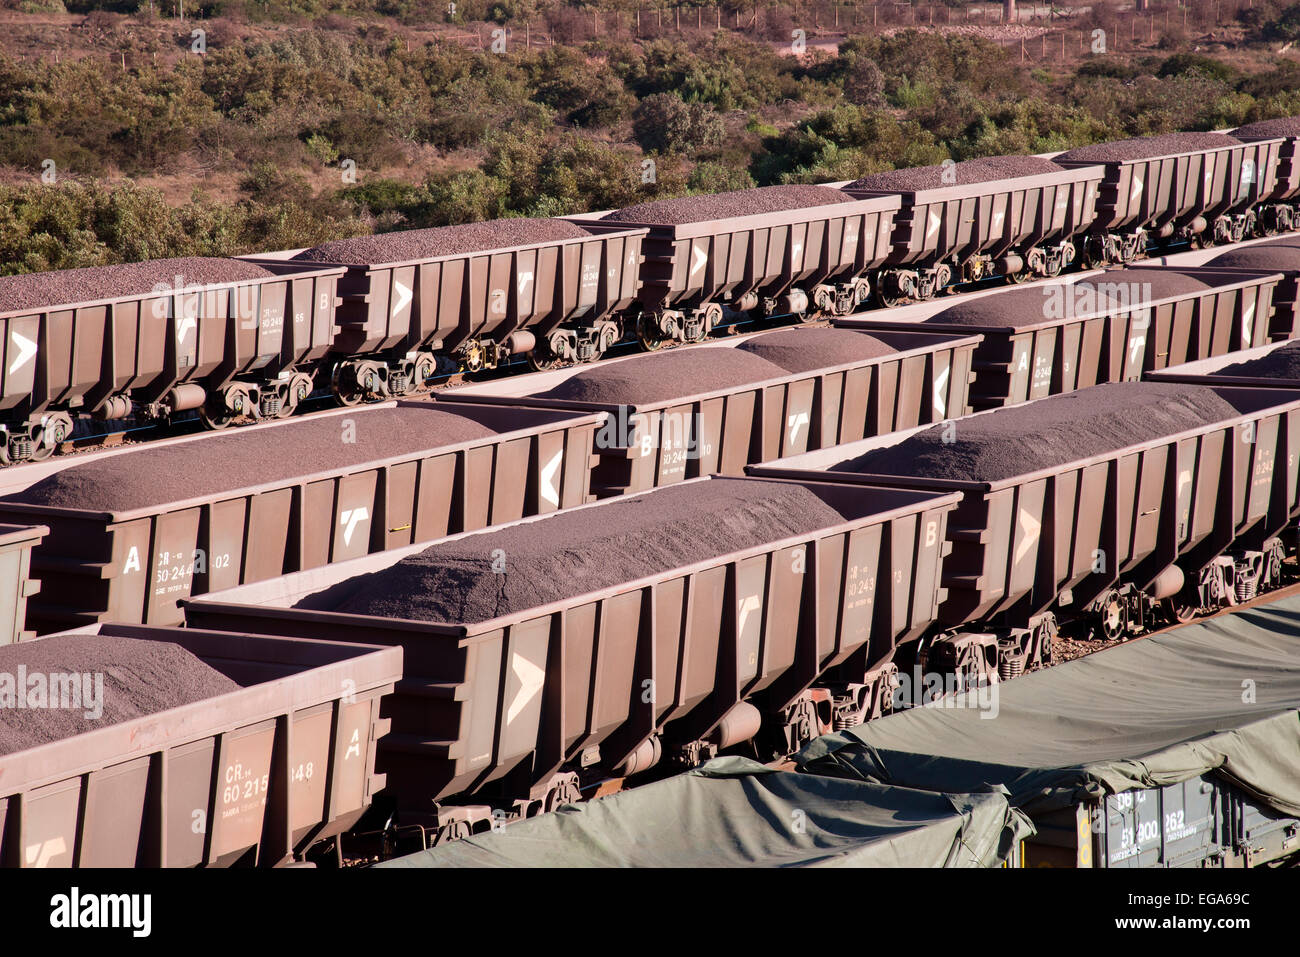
<point x="734" y="812"/>
<point x="1182" y="749"/>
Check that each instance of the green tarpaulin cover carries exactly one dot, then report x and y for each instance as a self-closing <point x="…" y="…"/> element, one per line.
<point x="1220" y="697"/>
<point x="733" y="812"/>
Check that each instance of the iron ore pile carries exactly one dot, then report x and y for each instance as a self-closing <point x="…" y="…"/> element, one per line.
<point x="740" y="202"/>
<point x="442" y="241"/>
<point x="1280" y="256"/>
<point x="38" y="289"/>
<point x="657" y="378"/>
<point x="155" y="475"/>
<point x="1281" y="363"/>
<point x="806" y="350"/>
<point x="1147" y="147"/>
<point x="1133" y="286"/>
<point x="966" y="173"/>
<point x="1019" y="308"/>
<point x="139" y="678"/>
<point x="1283" y="126"/>
<point x="675" y="375"/>
<point x="572" y="553"/>
<point x="1050" y="432"/>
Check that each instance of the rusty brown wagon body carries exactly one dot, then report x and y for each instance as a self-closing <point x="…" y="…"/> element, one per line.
<point x="1275" y="255"/>
<point x="255" y="776"/>
<point x="813" y="258"/>
<point x="1278" y="205"/>
<point x="16" y="583"/>
<point x="722" y="430"/>
<point x="135" y="564"/>
<point x="1029" y="544"/>
<point x="503" y="706"/>
<point x="1182" y="192"/>
<point x="1104" y="328"/>
<point x="958" y="233"/>
<point x="395" y="319"/>
<point x="211" y="347"/>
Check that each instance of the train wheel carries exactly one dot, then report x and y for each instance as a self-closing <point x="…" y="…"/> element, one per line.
<point x="1019" y="278"/>
<point x="889" y="302"/>
<point x="1179" y="611"/>
<point x="540" y="361"/>
<point x="422" y="373"/>
<point x="218" y="420"/>
<point x="1111" y="616"/>
<point x="342" y="384"/>
<point x="43" y="450"/>
<point x="54" y="432"/>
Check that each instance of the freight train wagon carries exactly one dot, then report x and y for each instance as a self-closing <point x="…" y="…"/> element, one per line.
<point x="694" y="412"/>
<point x="230" y="339"/>
<point x="208" y="749"/>
<point x="1115" y="508"/>
<point x="675" y="623"/>
<point x="134" y="532"/>
<point x="1109" y="327"/>
<point x="1199" y="188"/>
<point x="1279" y="209"/>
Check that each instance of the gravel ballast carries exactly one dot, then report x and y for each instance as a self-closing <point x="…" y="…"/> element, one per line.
<point x="665" y="376"/>
<point x="741" y="202"/>
<point x="139" y="678"/>
<point x="584" y="550"/>
<point x="1048" y="433"/>
<point x="807" y="350"/>
<point x="1267" y="129"/>
<point x="70" y="286"/>
<point x="414" y="244"/>
<point x="965" y="173"/>
<point x="1147" y="147"/>
<point x="224" y="463"/>
<point x="1269" y="257"/>
<point x="1282" y="363"/>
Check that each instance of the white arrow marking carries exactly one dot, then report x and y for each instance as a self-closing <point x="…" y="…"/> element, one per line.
<point x="698" y="259"/>
<point x="940" y="392"/>
<point x="26" y="349"/>
<point x="530" y="678"/>
<point x="997" y="219"/>
<point x="1184" y="479"/>
<point x="526" y="277"/>
<point x="795" y="250"/>
<point x="350" y="519"/>
<point x="933" y="226"/>
<point x="183" y="328"/>
<point x="1135" y="346"/>
<point x="795" y="423"/>
<point x="1029" y="527"/>
<point x="550" y="472"/>
<point x="1136" y="190"/>
<point x="1247" y="323"/>
<point x="403" y="297"/>
<point x="354" y="745"/>
<point x="745" y="607"/>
